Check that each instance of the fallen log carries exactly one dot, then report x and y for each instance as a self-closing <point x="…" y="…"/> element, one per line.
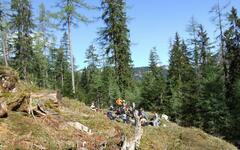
<point x="3" y="110"/>
<point x="35" y="104"/>
<point x="55" y="96"/>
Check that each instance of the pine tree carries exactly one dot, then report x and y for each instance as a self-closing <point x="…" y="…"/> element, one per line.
<point x="45" y="24"/>
<point x="60" y="68"/>
<point x="211" y="110"/>
<point x="218" y="19"/>
<point x="69" y="16"/>
<point x="44" y="28"/>
<point x="92" y="61"/>
<point x="179" y="78"/>
<point x="192" y="29"/>
<point x="115" y="39"/>
<point x="4" y="31"/>
<point x="152" y="95"/>
<point x="40" y="63"/>
<point x="109" y="87"/>
<point x="232" y="41"/>
<point x="22" y="24"/>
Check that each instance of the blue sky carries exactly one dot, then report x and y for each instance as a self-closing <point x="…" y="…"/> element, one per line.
<point x="152" y="24"/>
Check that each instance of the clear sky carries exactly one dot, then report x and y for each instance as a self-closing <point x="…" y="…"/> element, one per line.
<point x="152" y="23"/>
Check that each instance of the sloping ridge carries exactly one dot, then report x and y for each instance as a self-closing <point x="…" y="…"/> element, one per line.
<point x="48" y="122"/>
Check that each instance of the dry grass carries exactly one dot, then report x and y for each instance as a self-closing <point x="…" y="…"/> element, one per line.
<point x="174" y="137"/>
<point x="20" y="131"/>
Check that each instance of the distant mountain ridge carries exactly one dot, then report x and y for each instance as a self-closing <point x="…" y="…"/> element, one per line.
<point x="138" y="72"/>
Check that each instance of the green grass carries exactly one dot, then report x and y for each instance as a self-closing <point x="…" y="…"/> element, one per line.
<point x="20" y="131"/>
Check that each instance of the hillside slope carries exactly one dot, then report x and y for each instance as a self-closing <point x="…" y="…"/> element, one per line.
<point x="57" y="129"/>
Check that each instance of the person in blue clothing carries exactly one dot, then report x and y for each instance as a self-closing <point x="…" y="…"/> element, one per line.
<point x="156" y="121"/>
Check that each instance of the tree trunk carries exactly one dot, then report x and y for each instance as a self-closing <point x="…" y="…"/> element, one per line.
<point x="71" y="55"/>
<point x="5" y="48"/>
<point x="222" y="42"/>
<point x="134" y="143"/>
<point x="62" y="79"/>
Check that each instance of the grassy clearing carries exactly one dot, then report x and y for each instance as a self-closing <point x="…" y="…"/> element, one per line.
<point x="20" y="131"/>
<point x="174" y="137"/>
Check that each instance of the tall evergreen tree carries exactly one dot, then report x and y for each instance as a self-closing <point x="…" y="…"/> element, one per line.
<point x="232" y="41"/>
<point x="5" y="31"/>
<point x="211" y="112"/>
<point x="109" y="86"/>
<point x="180" y="75"/>
<point x="154" y="86"/>
<point x="218" y="19"/>
<point x="115" y="39"/>
<point x="192" y="29"/>
<point x="93" y="86"/>
<point x="40" y="63"/>
<point x="22" y="25"/>
<point x="44" y="28"/>
<point x="69" y="16"/>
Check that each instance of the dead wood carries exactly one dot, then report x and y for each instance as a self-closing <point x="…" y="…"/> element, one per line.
<point x="55" y="97"/>
<point x="134" y="142"/>
<point x="3" y="110"/>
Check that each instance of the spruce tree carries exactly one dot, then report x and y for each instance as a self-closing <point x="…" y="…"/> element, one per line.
<point x="4" y="31"/>
<point x="179" y="78"/>
<point x="93" y="71"/>
<point x="232" y="41"/>
<point x="109" y="87"/>
<point x="114" y="37"/>
<point x="153" y="90"/>
<point x="40" y="63"/>
<point x="22" y="25"/>
<point x="211" y="94"/>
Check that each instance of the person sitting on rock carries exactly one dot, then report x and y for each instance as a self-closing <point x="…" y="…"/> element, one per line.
<point x="119" y="102"/>
<point x="124" y="118"/>
<point x="93" y="107"/>
<point x="156" y="121"/>
<point x="110" y="115"/>
<point x="111" y="108"/>
<point x="143" y="121"/>
<point x="142" y="113"/>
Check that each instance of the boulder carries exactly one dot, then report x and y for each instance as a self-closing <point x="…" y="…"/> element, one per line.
<point x="164" y="117"/>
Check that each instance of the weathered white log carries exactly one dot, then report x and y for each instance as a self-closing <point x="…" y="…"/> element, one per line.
<point x="80" y="127"/>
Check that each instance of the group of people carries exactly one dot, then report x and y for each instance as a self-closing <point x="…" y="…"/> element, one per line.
<point x="123" y="112"/>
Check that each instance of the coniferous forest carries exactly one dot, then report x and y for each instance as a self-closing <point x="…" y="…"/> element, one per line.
<point x="200" y="87"/>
